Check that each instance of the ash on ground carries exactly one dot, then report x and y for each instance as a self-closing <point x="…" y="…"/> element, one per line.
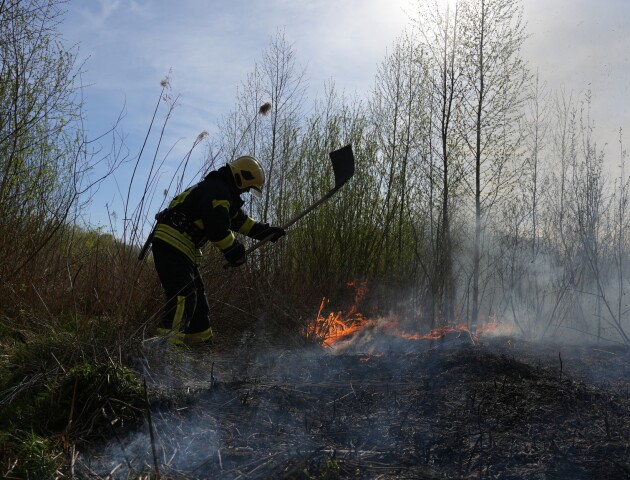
<point x="458" y="407"/>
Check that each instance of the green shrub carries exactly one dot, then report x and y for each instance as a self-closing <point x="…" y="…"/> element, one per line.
<point x="55" y="389"/>
<point x="89" y="398"/>
<point x="28" y="456"/>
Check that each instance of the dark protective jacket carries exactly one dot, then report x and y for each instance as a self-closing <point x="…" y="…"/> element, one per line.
<point x="208" y="211"/>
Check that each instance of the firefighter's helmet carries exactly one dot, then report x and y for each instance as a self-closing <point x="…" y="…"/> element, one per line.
<point x="248" y="174"/>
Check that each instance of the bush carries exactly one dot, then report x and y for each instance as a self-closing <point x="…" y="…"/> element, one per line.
<point x="78" y="401"/>
<point x="28" y="456"/>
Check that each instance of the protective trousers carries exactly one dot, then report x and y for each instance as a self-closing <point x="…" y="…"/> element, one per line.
<point x="185" y="314"/>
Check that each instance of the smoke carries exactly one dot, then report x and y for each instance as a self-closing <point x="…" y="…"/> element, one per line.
<point x="259" y="412"/>
<point x="211" y="411"/>
<point x="185" y="432"/>
<point x="263" y="407"/>
<point x="184" y="443"/>
<point x="568" y="291"/>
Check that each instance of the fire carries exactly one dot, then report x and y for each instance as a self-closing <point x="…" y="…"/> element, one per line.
<point x="434" y="334"/>
<point x="489" y="327"/>
<point x="340" y="325"/>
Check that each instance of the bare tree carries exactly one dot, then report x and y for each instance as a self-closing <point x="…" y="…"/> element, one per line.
<point x="284" y="85"/>
<point x="620" y="226"/>
<point x="439" y="30"/>
<point x="592" y="206"/>
<point x="399" y="121"/>
<point x="42" y="150"/>
<point x="492" y="37"/>
<point x="536" y="137"/>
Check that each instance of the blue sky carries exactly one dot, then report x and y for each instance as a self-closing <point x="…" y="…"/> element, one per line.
<point x="211" y="45"/>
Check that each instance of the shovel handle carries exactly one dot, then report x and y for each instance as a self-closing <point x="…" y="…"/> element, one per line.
<point x="311" y="208"/>
<point x="303" y="213"/>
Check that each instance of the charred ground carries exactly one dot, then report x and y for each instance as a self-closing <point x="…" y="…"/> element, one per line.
<point x="459" y="407"/>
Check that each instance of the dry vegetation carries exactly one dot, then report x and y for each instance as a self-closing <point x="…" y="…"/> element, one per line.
<point x="452" y="408"/>
<point x="479" y="193"/>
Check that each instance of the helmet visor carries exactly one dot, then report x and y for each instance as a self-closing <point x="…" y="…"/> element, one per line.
<point x="256" y="192"/>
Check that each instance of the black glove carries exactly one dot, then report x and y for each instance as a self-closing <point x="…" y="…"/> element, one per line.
<point x="235" y="254"/>
<point x="275" y="233"/>
<point x="261" y="231"/>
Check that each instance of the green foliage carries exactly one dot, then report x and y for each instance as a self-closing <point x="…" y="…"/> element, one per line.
<point x="79" y="395"/>
<point x="328" y="470"/>
<point x="40" y="132"/>
<point x="28" y="456"/>
<point x="92" y="395"/>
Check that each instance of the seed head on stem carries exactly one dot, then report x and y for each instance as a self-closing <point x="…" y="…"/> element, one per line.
<point x="265" y="108"/>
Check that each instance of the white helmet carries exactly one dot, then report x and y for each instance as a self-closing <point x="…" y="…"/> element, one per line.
<point x="248" y="173"/>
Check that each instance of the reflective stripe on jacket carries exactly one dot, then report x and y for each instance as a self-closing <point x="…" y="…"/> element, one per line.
<point x="211" y="211"/>
<point x="175" y="238"/>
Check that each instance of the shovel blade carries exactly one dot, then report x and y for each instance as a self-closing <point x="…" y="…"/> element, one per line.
<point x="343" y="165"/>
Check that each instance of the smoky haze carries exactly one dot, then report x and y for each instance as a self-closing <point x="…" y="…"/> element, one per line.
<point x="548" y="266"/>
<point x="368" y="401"/>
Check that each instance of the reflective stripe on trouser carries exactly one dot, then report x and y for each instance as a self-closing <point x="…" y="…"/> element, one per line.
<point x="186" y="308"/>
<point x="180" y="338"/>
<point x="176" y="239"/>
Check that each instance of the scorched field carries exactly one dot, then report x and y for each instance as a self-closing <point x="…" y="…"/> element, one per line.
<point x="460" y="405"/>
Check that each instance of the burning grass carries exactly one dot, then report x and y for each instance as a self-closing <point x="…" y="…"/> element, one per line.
<point x="372" y="399"/>
<point x="337" y="327"/>
<point x="451" y="408"/>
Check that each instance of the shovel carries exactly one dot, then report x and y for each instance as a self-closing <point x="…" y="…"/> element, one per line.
<point x="343" y="168"/>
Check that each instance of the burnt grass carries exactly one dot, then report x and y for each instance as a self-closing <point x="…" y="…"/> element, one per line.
<point x="459" y="407"/>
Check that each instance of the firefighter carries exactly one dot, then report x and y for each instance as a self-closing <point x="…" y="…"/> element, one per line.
<point x="209" y="211"/>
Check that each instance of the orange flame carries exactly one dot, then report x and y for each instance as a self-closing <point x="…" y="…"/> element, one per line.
<point x="489" y="327"/>
<point x="434" y="334"/>
<point x="339" y="325"/>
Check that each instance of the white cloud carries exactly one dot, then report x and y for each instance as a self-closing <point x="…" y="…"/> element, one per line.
<point x="583" y="45"/>
<point x="212" y="45"/>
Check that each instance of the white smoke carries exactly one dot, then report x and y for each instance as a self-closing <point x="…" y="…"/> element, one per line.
<point x="182" y="444"/>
